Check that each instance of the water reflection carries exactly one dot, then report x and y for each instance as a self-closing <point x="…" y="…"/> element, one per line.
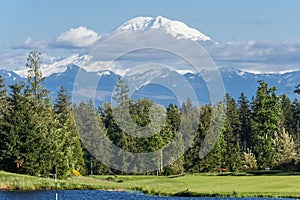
<point x="96" y="195"/>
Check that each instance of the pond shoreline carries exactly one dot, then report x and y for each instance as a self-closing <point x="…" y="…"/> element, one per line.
<point x="198" y="185"/>
<point x="104" y="195"/>
<point x="180" y="194"/>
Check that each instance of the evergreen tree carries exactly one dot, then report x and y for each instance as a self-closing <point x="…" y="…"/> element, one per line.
<point x="3" y="98"/>
<point x="35" y="78"/>
<point x="191" y="156"/>
<point x="213" y="148"/>
<point x="245" y="118"/>
<point x="173" y="114"/>
<point x="215" y="158"/>
<point x="97" y="149"/>
<point x="173" y="154"/>
<point x="29" y="125"/>
<point x="122" y="118"/>
<point x="296" y="124"/>
<point x="233" y="157"/>
<point x="3" y="111"/>
<point x="121" y="112"/>
<point x="139" y="112"/>
<point x="189" y="121"/>
<point x="27" y="143"/>
<point x="70" y="146"/>
<point x="121" y="92"/>
<point x="267" y="114"/>
<point x="287" y="114"/>
<point x="12" y="124"/>
<point x="45" y="124"/>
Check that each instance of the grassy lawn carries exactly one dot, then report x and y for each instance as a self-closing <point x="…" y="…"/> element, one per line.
<point x="188" y="185"/>
<point x="288" y="186"/>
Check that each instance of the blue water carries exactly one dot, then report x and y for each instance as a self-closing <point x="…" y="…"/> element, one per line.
<point x="94" y="195"/>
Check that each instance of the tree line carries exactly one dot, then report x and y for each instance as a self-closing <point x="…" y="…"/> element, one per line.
<point x="35" y="133"/>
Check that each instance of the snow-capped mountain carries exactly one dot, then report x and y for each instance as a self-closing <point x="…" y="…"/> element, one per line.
<point x="235" y="82"/>
<point x="56" y="65"/>
<point x="176" y="28"/>
<point x="172" y="29"/>
<point x="10" y="77"/>
<point x="64" y="71"/>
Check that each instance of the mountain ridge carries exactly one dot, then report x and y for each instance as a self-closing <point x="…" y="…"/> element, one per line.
<point x="177" y="28"/>
<point x="64" y="71"/>
<point x="235" y="82"/>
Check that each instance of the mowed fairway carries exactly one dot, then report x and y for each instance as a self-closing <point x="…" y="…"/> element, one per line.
<point x="188" y="185"/>
<point x="244" y="185"/>
<point x="203" y="185"/>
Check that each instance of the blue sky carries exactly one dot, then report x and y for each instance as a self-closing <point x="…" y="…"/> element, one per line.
<point x="224" y="21"/>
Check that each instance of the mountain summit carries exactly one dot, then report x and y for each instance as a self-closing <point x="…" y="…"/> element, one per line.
<point x="176" y="28"/>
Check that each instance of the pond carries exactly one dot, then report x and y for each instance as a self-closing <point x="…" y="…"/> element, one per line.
<point x="94" y="195"/>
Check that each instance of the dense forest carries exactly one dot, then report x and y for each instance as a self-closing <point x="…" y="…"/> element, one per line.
<point x="37" y="132"/>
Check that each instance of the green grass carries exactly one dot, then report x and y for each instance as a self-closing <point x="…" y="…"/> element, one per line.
<point x="237" y="185"/>
<point x="275" y="186"/>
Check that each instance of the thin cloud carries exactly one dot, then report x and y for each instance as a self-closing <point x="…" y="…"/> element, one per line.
<point x="12" y="60"/>
<point x="255" y="21"/>
<point x="258" y="56"/>
<point x="80" y="37"/>
<point x="30" y="43"/>
<point x="265" y="56"/>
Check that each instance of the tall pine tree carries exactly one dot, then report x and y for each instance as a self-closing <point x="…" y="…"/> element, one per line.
<point x="233" y="156"/>
<point x="267" y="114"/>
<point x="70" y="146"/>
<point x="3" y="111"/>
<point x="287" y="114"/>
<point x="29" y="124"/>
<point x="296" y="124"/>
<point x="245" y="118"/>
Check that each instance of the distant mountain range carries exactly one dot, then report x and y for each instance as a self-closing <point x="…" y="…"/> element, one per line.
<point x="235" y="82"/>
<point x="64" y="71"/>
